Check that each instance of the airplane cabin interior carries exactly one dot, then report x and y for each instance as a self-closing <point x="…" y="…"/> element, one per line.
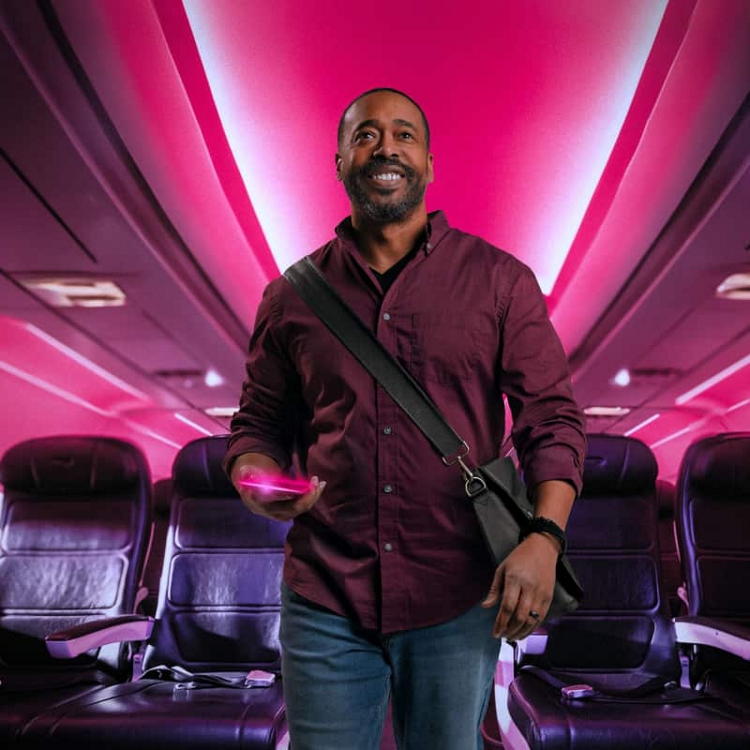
<point x="162" y="161"/>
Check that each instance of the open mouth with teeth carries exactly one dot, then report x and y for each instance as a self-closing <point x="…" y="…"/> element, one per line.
<point x="387" y="177"/>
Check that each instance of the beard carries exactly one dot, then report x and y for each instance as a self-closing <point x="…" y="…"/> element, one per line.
<point x="386" y="212"/>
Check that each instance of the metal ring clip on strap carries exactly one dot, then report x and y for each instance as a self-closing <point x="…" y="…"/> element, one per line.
<point x="474" y="484"/>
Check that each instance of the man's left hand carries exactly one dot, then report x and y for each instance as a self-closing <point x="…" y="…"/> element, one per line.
<point x="523" y="584"/>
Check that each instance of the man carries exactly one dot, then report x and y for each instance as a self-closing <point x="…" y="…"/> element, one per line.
<point x="388" y="588"/>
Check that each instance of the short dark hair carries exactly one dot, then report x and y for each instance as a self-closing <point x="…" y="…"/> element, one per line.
<point x="375" y="91"/>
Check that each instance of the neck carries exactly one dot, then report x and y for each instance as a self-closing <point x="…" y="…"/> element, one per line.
<point x="383" y="245"/>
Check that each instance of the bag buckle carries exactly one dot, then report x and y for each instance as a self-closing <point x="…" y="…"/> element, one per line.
<point x="474" y="484"/>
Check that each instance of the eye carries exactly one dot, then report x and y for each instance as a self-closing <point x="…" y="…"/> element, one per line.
<point x="406" y="135"/>
<point x="363" y="135"/>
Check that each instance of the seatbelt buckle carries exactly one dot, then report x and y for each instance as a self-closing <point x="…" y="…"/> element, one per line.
<point x="259" y="678"/>
<point x="577" y="692"/>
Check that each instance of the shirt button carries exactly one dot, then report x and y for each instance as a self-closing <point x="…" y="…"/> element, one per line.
<point x="386" y="316"/>
<point x="387" y="430"/>
<point x="387" y="546"/>
<point x="387" y="488"/>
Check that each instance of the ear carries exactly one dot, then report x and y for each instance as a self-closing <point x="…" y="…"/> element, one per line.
<point x="339" y="176"/>
<point x="430" y="168"/>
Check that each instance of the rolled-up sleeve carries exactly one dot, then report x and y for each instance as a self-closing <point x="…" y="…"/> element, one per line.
<point x="263" y="422"/>
<point x="548" y="425"/>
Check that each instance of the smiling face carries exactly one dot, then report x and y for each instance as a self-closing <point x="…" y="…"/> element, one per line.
<point x="383" y="158"/>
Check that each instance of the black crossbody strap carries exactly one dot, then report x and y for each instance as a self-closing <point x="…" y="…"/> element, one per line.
<point x="323" y="300"/>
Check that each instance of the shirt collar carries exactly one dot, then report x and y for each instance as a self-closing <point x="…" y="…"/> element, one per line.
<point x="437" y="227"/>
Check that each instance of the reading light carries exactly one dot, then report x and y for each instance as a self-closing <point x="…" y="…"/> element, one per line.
<point x="736" y="286"/>
<point x="212" y="378"/>
<point x="77" y="292"/>
<point x="606" y="411"/>
<point x="223" y="412"/>
<point x="622" y="378"/>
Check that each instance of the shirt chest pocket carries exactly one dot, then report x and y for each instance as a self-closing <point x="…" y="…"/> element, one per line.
<point x="447" y="347"/>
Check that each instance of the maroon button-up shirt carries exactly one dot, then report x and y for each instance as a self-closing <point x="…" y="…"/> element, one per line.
<point x="392" y="542"/>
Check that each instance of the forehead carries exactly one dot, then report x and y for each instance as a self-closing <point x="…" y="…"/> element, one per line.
<point x="383" y="106"/>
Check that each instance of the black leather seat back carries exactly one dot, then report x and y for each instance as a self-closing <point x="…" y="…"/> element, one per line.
<point x="714" y="526"/>
<point x="219" y="609"/>
<point x="623" y="622"/>
<point x="74" y="526"/>
<point x="671" y="570"/>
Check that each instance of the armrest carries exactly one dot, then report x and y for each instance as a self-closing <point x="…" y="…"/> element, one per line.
<point x="511" y="654"/>
<point x="533" y="644"/>
<point x="713" y="631"/>
<point x="66" y="644"/>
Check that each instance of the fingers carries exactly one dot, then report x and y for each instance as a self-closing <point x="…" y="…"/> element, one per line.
<point x="526" y="618"/>
<point x="493" y="595"/>
<point x="517" y="617"/>
<point x="522" y="588"/>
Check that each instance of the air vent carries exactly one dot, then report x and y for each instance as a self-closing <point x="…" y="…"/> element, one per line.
<point x="653" y="374"/>
<point x="181" y="378"/>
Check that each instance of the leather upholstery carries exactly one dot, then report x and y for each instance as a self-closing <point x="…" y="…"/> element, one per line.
<point x="218" y="611"/>
<point x="713" y="524"/>
<point x="74" y="525"/>
<point x="621" y="635"/>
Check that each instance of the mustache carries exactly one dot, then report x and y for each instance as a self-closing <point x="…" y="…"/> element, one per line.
<point x="377" y="162"/>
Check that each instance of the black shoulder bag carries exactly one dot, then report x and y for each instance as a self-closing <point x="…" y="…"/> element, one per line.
<point x="495" y="489"/>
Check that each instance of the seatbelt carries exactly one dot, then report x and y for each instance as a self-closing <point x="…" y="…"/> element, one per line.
<point x="653" y="690"/>
<point x="186" y="680"/>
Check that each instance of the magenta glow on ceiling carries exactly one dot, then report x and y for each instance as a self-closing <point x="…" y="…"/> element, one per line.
<point x="525" y="100"/>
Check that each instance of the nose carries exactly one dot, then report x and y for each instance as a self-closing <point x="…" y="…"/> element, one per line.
<point x="386" y="146"/>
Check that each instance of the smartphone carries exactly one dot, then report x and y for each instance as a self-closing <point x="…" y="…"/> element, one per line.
<point x="270" y="486"/>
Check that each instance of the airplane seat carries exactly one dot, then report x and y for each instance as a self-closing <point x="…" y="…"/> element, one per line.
<point x="217" y="619"/>
<point x="162" y="495"/>
<point x="620" y="642"/>
<point x="713" y="521"/>
<point x="74" y="524"/>
<point x="671" y="569"/>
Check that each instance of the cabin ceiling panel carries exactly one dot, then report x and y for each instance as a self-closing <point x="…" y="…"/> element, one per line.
<point x="730" y="365"/>
<point x="688" y="120"/>
<point x="14" y="300"/>
<point x="32" y="239"/>
<point x="699" y="335"/>
<point x="669" y="317"/>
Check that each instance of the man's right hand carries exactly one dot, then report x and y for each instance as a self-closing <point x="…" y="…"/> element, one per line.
<point x="282" y="507"/>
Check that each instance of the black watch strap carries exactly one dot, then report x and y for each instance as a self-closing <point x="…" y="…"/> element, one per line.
<point x="542" y="525"/>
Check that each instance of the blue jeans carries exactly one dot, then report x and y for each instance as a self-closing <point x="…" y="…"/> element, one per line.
<point x="338" y="679"/>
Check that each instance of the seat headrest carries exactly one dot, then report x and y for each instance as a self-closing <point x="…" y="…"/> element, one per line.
<point x="197" y="468"/>
<point x="720" y="463"/>
<point x="618" y="464"/>
<point x="64" y="464"/>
